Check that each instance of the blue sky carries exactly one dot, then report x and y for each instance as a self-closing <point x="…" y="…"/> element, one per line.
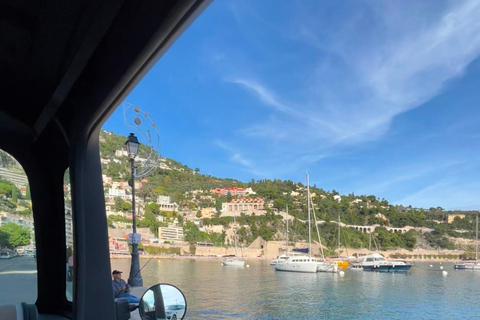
<point x="371" y="97"/>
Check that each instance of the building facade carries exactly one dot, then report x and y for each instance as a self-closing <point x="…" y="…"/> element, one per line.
<point x="234" y="191"/>
<point x="239" y="205"/>
<point x="165" y="203"/>
<point x="170" y="233"/>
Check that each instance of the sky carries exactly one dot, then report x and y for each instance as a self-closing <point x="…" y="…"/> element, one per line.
<point x="371" y="97"/>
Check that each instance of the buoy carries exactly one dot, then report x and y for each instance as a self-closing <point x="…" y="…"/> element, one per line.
<point x="341" y="273"/>
<point x="441" y="267"/>
<point x="444" y="273"/>
<point x="431" y="266"/>
<point x="248" y="266"/>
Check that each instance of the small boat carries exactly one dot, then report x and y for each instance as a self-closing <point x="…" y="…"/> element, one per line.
<point x="466" y="264"/>
<point x="233" y="261"/>
<point x="470" y="264"/>
<point x="377" y="263"/>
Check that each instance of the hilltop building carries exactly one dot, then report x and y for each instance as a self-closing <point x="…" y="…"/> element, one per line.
<point x="449" y="218"/>
<point x="234" y="191"/>
<point x="239" y="205"/>
<point x="165" y="203"/>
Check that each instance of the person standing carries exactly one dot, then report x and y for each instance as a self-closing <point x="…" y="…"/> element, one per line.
<point x="121" y="288"/>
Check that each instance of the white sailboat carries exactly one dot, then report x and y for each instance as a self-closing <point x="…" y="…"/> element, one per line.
<point x="470" y="264"/>
<point x="301" y="263"/>
<point x="233" y="261"/>
<point x="322" y="264"/>
<point x="283" y="256"/>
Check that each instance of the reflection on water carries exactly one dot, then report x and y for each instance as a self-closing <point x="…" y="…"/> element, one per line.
<point x="216" y="292"/>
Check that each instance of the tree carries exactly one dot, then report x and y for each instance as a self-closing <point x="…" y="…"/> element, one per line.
<point x="28" y="196"/>
<point x="118" y="204"/>
<point x="199" y="214"/>
<point x="3" y="239"/>
<point x="14" y="193"/>
<point x="16" y="235"/>
<point x="127" y="207"/>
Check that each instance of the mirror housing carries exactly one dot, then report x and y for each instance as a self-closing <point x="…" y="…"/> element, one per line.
<point x="163" y="302"/>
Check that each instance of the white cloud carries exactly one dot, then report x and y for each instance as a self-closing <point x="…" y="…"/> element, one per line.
<point x="238" y="158"/>
<point x="355" y="99"/>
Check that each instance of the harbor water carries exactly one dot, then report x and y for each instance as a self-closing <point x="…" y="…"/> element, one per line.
<point x="259" y="292"/>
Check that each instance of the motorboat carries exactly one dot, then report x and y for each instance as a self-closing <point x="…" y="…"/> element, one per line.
<point x="466" y="264"/>
<point x="470" y="264"/>
<point x="233" y="262"/>
<point x="302" y="263"/>
<point x="377" y="263"/>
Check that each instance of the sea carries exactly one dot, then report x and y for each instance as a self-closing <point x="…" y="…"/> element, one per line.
<point x="257" y="291"/>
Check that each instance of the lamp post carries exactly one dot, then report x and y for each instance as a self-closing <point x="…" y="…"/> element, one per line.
<point x="135" y="278"/>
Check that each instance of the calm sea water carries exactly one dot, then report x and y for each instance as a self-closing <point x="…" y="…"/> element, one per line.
<point x="258" y="292"/>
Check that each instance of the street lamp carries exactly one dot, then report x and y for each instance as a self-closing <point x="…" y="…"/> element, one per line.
<point x="135" y="278"/>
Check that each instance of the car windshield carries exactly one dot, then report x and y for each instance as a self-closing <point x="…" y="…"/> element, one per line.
<point x="327" y="128"/>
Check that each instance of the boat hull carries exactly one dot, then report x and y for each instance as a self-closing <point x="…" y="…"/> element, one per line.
<point x="388" y="268"/>
<point x="305" y="267"/>
<point x="233" y="263"/>
<point x="327" y="267"/>
<point x="467" y="266"/>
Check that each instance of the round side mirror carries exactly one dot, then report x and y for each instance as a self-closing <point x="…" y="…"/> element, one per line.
<point x="163" y="302"/>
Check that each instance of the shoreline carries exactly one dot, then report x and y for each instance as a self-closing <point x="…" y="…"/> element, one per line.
<point x="188" y="257"/>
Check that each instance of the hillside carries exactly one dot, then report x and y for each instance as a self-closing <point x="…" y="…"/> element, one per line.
<point x="192" y="192"/>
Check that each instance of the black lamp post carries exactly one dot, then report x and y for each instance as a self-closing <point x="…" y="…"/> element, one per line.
<point x="135" y="278"/>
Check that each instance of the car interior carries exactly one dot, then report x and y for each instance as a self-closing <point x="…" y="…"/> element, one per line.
<point x="65" y="66"/>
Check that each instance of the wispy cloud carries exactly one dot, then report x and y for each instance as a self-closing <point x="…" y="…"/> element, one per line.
<point x="355" y="99"/>
<point x="381" y="182"/>
<point x="447" y="194"/>
<point x="238" y="158"/>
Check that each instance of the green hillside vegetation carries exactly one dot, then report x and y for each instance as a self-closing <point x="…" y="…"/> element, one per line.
<point x="352" y="209"/>
<point x="178" y="180"/>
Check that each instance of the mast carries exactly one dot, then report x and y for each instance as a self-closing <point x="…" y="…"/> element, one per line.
<point x="339" y="244"/>
<point x="309" y="226"/>
<point x="476" y="240"/>
<point x="286" y="242"/>
<point x="234" y="234"/>
<point x="370" y="242"/>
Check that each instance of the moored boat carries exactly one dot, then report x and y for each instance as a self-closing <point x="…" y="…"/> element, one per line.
<point x="470" y="264"/>
<point x="301" y="263"/>
<point x="377" y="263"/>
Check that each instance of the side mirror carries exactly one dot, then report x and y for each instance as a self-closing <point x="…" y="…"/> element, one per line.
<point x="163" y="302"/>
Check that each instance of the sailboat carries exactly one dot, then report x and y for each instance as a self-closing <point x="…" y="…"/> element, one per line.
<point x="233" y="261"/>
<point x="283" y="256"/>
<point x="322" y="264"/>
<point x="301" y="263"/>
<point x="470" y="264"/>
<point x="342" y="262"/>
